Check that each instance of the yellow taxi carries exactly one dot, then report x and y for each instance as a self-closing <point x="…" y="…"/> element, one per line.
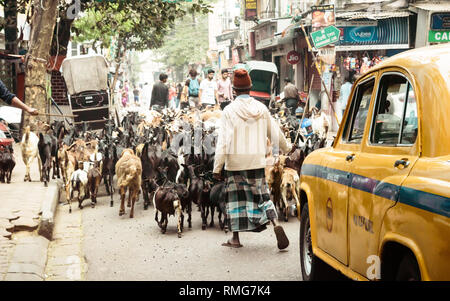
<point x="376" y="204"/>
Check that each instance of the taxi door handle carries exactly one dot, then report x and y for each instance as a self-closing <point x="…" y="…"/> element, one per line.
<point x="350" y="157"/>
<point x="403" y="162"/>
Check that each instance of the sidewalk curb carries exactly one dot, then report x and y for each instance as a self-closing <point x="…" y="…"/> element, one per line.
<point x="48" y="209"/>
<point x="29" y="259"/>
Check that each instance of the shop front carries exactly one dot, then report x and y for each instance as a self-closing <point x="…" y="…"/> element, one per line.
<point x="433" y="23"/>
<point x="225" y="43"/>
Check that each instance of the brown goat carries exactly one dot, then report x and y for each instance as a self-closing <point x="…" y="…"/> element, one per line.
<point x="94" y="179"/>
<point x="128" y="171"/>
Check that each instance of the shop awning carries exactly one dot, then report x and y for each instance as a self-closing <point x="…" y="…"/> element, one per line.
<point x="433" y="7"/>
<point x="371" y="15"/>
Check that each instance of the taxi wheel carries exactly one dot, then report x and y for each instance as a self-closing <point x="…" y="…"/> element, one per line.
<point x="313" y="268"/>
<point x="408" y="269"/>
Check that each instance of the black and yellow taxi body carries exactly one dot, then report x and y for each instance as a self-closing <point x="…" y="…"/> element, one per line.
<point x="376" y="204"/>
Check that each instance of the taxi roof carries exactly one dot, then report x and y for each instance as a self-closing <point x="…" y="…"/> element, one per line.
<point x="429" y="69"/>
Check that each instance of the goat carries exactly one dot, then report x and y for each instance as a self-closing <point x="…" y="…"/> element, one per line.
<point x="108" y="169"/>
<point x="217" y="196"/>
<point x="30" y="150"/>
<point x="168" y="200"/>
<point x="290" y="183"/>
<point x="78" y="183"/>
<point x="45" y="153"/>
<point x="195" y="189"/>
<point x="274" y="182"/>
<point x="7" y="163"/>
<point x="94" y="178"/>
<point x="128" y="171"/>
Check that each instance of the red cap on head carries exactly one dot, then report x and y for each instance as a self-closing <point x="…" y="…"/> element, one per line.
<point x="241" y="80"/>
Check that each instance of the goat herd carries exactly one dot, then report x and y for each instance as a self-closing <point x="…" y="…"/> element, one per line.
<point x="146" y="156"/>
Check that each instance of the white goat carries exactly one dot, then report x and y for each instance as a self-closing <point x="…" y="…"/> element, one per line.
<point x="29" y="148"/>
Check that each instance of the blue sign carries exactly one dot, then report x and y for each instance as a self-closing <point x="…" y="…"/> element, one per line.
<point x="440" y="21"/>
<point x="359" y="34"/>
<point x="388" y="31"/>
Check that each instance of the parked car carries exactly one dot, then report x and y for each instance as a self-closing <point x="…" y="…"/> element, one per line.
<point x="6" y="138"/>
<point x="12" y="118"/>
<point x="376" y="205"/>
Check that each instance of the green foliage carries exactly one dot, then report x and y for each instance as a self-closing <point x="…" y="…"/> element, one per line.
<point x="137" y="25"/>
<point x="187" y="43"/>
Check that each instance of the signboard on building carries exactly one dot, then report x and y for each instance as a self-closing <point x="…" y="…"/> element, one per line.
<point x="322" y="16"/>
<point x="293" y="57"/>
<point x="390" y="33"/>
<point x="250" y="10"/>
<point x="440" y="21"/>
<point x="440" y="28"/>
<point x="328" y="35"/>
<point x="438" y="36"/>
<point x="265" y="35"/>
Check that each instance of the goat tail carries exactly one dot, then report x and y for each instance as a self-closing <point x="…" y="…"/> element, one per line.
<point x="154" y="197"/>
<point x="130" y="176"/>
<point x="27" y="134"/>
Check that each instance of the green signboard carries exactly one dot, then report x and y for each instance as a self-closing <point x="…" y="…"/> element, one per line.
<point x="439" y="36"/>
<point x="328" y="35"/>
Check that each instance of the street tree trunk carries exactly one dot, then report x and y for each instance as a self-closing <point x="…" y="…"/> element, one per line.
<point x="42" y="27"/>
<point x="118" y="59"/>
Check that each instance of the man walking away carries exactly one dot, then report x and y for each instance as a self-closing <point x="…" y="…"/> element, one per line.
<point x="160" y="94"/>
<point x="179" y="91"/>
<point x="224" y="90"/>
<point x="191" y="90"/>
<point x="291" y="96"/>
<point x="245" y="126"/>
<point x="136" y="94"/>
<point x="208" y="90"/>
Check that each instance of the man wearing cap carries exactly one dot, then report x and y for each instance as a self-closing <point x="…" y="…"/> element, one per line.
<point x="291" y="96"/>
<point x="245" y="125"/>
<point x="208" y="90"/>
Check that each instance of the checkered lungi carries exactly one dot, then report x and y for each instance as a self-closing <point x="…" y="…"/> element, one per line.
<point x="248" y="203"/>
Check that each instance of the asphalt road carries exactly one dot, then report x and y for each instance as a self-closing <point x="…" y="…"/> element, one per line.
<point x="119" y="248"/>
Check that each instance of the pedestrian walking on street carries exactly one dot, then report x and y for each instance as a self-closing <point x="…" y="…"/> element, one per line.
<point x="179" y="91"/>
<point x="12" y="100"/>
<point x="224" y="90"/>
<point x="136" y="94"/>
<point x="344" y="93"/>
<point x="245" y="126"/>
<point x="208" y="90"/>
<point x="160" y="94"/>
<point x="172" y="95"/>
<point x="191" y="90"/>
<point x="291" y="96"/>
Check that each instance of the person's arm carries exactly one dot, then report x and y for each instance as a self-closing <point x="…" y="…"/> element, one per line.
<point x="12" y="100"/>
<point x="153" y="96"/>
<point x="231" y="92"/>
<point x="219" y="157"/>
<point x="200" y="90"/>
<point x="216" y="93"/>
<point x="275" y="133"/>
<point x="16" y="102"/>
